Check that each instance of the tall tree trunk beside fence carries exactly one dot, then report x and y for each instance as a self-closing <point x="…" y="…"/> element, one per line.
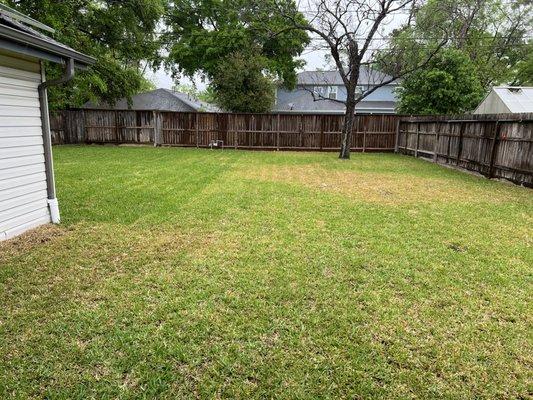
<point x="347" y="129"/>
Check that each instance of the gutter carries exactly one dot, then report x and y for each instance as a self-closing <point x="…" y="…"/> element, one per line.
<point x="47" y="137"/>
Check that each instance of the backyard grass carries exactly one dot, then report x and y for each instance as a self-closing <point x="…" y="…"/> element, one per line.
<point x="184" y="273"/>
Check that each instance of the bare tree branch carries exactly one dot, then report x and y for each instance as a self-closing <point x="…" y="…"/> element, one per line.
<point x="320" y="97"/>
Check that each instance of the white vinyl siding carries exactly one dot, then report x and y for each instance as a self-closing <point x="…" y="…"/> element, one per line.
<point x="23" y="199"/>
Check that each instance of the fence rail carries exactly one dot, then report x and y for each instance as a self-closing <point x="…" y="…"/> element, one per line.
<point x="239" y="131"/>
<point x="499" y="146"/>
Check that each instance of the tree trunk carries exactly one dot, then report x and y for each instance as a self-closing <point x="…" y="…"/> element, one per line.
<point x="346" y="135"/>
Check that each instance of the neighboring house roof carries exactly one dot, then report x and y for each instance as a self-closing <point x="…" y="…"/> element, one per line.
<point x="160" y="100"/>
<point x="21" y="38"/>
<point x="367" y="76"/>
<point x="306" y="103"/>
<point x="507" y="99"/>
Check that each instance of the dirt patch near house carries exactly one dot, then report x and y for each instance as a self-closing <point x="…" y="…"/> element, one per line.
<point x="30" y="239"/>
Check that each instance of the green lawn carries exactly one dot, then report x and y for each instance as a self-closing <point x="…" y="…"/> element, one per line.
<point x="182" y="273"/>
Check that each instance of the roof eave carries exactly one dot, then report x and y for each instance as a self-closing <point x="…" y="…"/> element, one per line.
<point x="29" y="41"/>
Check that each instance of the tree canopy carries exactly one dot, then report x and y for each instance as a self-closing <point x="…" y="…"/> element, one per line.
<point x="523" y="71"/>
<point x="121" y="35"/>
<point x="240" y="85"/>
<point x="204" y="35"/>
<point x="492" y="33"/>
<point x="486" y="42"/>
<point x="447" y="85"/>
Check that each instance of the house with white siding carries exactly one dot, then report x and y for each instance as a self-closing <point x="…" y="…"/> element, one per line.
<point x="27" y="188"/>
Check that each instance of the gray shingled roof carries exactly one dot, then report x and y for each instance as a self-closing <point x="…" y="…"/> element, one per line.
<point x="367" y="76"/>
<point x="160" y="100"/>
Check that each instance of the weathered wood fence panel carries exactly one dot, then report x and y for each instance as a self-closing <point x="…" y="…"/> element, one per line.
<point x="102" y="126"/>
<point x="241" y="131"/>
<point x="497" y="146"/>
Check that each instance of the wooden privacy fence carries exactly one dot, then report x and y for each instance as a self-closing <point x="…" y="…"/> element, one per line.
<point x="497" y="146"/>
<point x="239" y="131"/>
<point x="277" y="131"/>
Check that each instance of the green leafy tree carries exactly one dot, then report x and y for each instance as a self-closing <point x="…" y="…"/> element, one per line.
<point x="240" y="85"/>
<point x="449" y="84"/>
<point x="205" y="34"/>
<point x="523" y="73"/>
<point x="121" y="35"/>
<point x="492" y="33"/>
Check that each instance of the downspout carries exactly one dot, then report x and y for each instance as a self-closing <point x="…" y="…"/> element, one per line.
<point x="47" y="136"/>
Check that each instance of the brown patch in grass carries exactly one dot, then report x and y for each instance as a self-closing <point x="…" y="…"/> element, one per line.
<point x="193" y="243"/>
<point x="30" y="239"/>
<point x="382" y="188"/>
<point x="120" y="243"/>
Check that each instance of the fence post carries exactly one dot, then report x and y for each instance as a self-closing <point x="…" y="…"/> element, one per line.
<point x="277" y="134"/>
<point x="436" y="144"/>
<point x="64" y="121"/>
<point x="397" y="138"/>
<point x="301" y="129"/>
<point x="116" y="127"/>
<point x="157" y="128"/>
<point x="417" y="138"/>
<point x="493" y="150"/>
<point x="406" y="134"/>
<point x="322" y="123"/>
<point x="197" y="131"/>
<point x="226" y="136"/>
<point x="365" y="128"/>
<point x="138" y="125"/>
<point x="84" y="129"/>
<point x="235" y="134"/>
<point x="460" y="144"/>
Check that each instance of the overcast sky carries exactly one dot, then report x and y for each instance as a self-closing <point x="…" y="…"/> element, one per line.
<point x="162" y="79"/>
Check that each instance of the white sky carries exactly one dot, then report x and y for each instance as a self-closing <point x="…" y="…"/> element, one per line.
<point x="162" y="79"/>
